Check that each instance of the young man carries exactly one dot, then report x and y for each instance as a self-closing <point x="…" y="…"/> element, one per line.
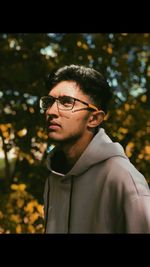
<point x="92" y="187"/>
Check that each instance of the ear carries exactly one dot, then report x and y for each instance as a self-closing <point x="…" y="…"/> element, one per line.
<point x="96" y="118"/>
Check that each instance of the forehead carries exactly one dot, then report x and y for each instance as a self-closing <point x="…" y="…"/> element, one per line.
<point x="69" y="88"/>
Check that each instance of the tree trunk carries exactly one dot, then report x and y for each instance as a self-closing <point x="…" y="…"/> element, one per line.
<point x="7" y="165"/>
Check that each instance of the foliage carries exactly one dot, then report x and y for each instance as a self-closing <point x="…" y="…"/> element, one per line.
<point x="23" y="214"/>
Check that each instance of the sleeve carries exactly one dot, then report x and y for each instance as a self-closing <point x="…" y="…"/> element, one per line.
<point x="137" y="214"/>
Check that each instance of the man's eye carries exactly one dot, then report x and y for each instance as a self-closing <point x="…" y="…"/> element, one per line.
<point x="66" y="100"/>
<point x="48" y="101"/>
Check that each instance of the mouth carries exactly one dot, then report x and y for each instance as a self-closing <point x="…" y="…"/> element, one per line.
<point x="53" y="126"/>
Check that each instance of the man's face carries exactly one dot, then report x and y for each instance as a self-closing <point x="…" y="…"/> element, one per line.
<point x="67" y="125"/>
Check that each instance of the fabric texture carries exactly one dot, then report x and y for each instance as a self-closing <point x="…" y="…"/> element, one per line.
<point x="102" y="193"/>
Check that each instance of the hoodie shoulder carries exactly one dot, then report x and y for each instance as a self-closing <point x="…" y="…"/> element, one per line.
<point x="122" y="172"/>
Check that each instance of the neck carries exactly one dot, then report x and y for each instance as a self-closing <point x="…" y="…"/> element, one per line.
<point x="74" y="149"/>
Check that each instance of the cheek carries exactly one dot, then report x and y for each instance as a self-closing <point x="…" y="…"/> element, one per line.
<point x="76" y="125"/>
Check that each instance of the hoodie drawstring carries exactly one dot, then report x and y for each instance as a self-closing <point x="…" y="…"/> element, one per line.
<point x="70" y="202"/>
<point x="46" y="217"/>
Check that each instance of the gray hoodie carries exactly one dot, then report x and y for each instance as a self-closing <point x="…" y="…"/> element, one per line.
<point x="102" y="193"/>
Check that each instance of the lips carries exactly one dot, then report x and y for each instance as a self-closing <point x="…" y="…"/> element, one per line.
<point x="53" y="125"/>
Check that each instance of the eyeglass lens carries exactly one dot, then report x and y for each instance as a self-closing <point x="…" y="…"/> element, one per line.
<point x="64" y="102"/>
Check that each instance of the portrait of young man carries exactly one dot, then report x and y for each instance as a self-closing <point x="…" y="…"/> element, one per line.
<point x="92" y="187"/>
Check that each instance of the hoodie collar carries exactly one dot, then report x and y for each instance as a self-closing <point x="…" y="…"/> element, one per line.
<point x="99" y="149"/>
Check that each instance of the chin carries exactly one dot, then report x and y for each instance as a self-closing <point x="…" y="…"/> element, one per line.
<point x="55" y="137"/>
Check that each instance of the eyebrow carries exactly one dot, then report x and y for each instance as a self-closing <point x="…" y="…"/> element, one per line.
<point x="62" y="96"/>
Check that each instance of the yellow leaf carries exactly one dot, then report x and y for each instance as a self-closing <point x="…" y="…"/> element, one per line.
<point x="129" y="149"/>
<point x="143" y="98"/>
<point x="31" y="229"/>
<point x="85" y="47"/>
<point x="140" y="156"/>
<point x="18" y="229"/>
<point x="33" y="217"/>
<point x="22" y="132"/>
<point x="40" y="209"/>
<point x="148" y="71"/>
<point x="124" y="34"/>
<point x="31" y="110"/>
<point x="26" y="220"/>
<point x="119" y="112"/>
<point x="123" y="130"/>
<point x="22" y="187"/>
<point x="146" y="35"/>
<point x="89" y="57"/>
<point x="147" y="152"/>
<point x="14" y="187"/>
<point x="1" y="230"/>
<point x="5" y="127"/>
<point x="1" y="215"/>
<point x="30" y="206"/>
<point x="127" y="106"/>
<point x="15" y="218"/>
<point x="79" y="43"/>
<point x="40" y="133"/>
<point x="40" y="227"/>
<point x="20" y="203"/>
<point x="109" y="50"/>
<point x="147" y="149"/>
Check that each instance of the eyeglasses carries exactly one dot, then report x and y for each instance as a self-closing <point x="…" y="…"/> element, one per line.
<point x="63" y="102"/>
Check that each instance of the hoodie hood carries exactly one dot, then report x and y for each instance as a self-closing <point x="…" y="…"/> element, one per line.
<point x="99" y="149"/>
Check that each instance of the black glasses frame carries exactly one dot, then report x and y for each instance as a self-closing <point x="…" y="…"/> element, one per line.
<point x="58" y="100"/>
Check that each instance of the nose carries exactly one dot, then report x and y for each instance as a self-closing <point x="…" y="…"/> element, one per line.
<point x="53" y="109"/>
